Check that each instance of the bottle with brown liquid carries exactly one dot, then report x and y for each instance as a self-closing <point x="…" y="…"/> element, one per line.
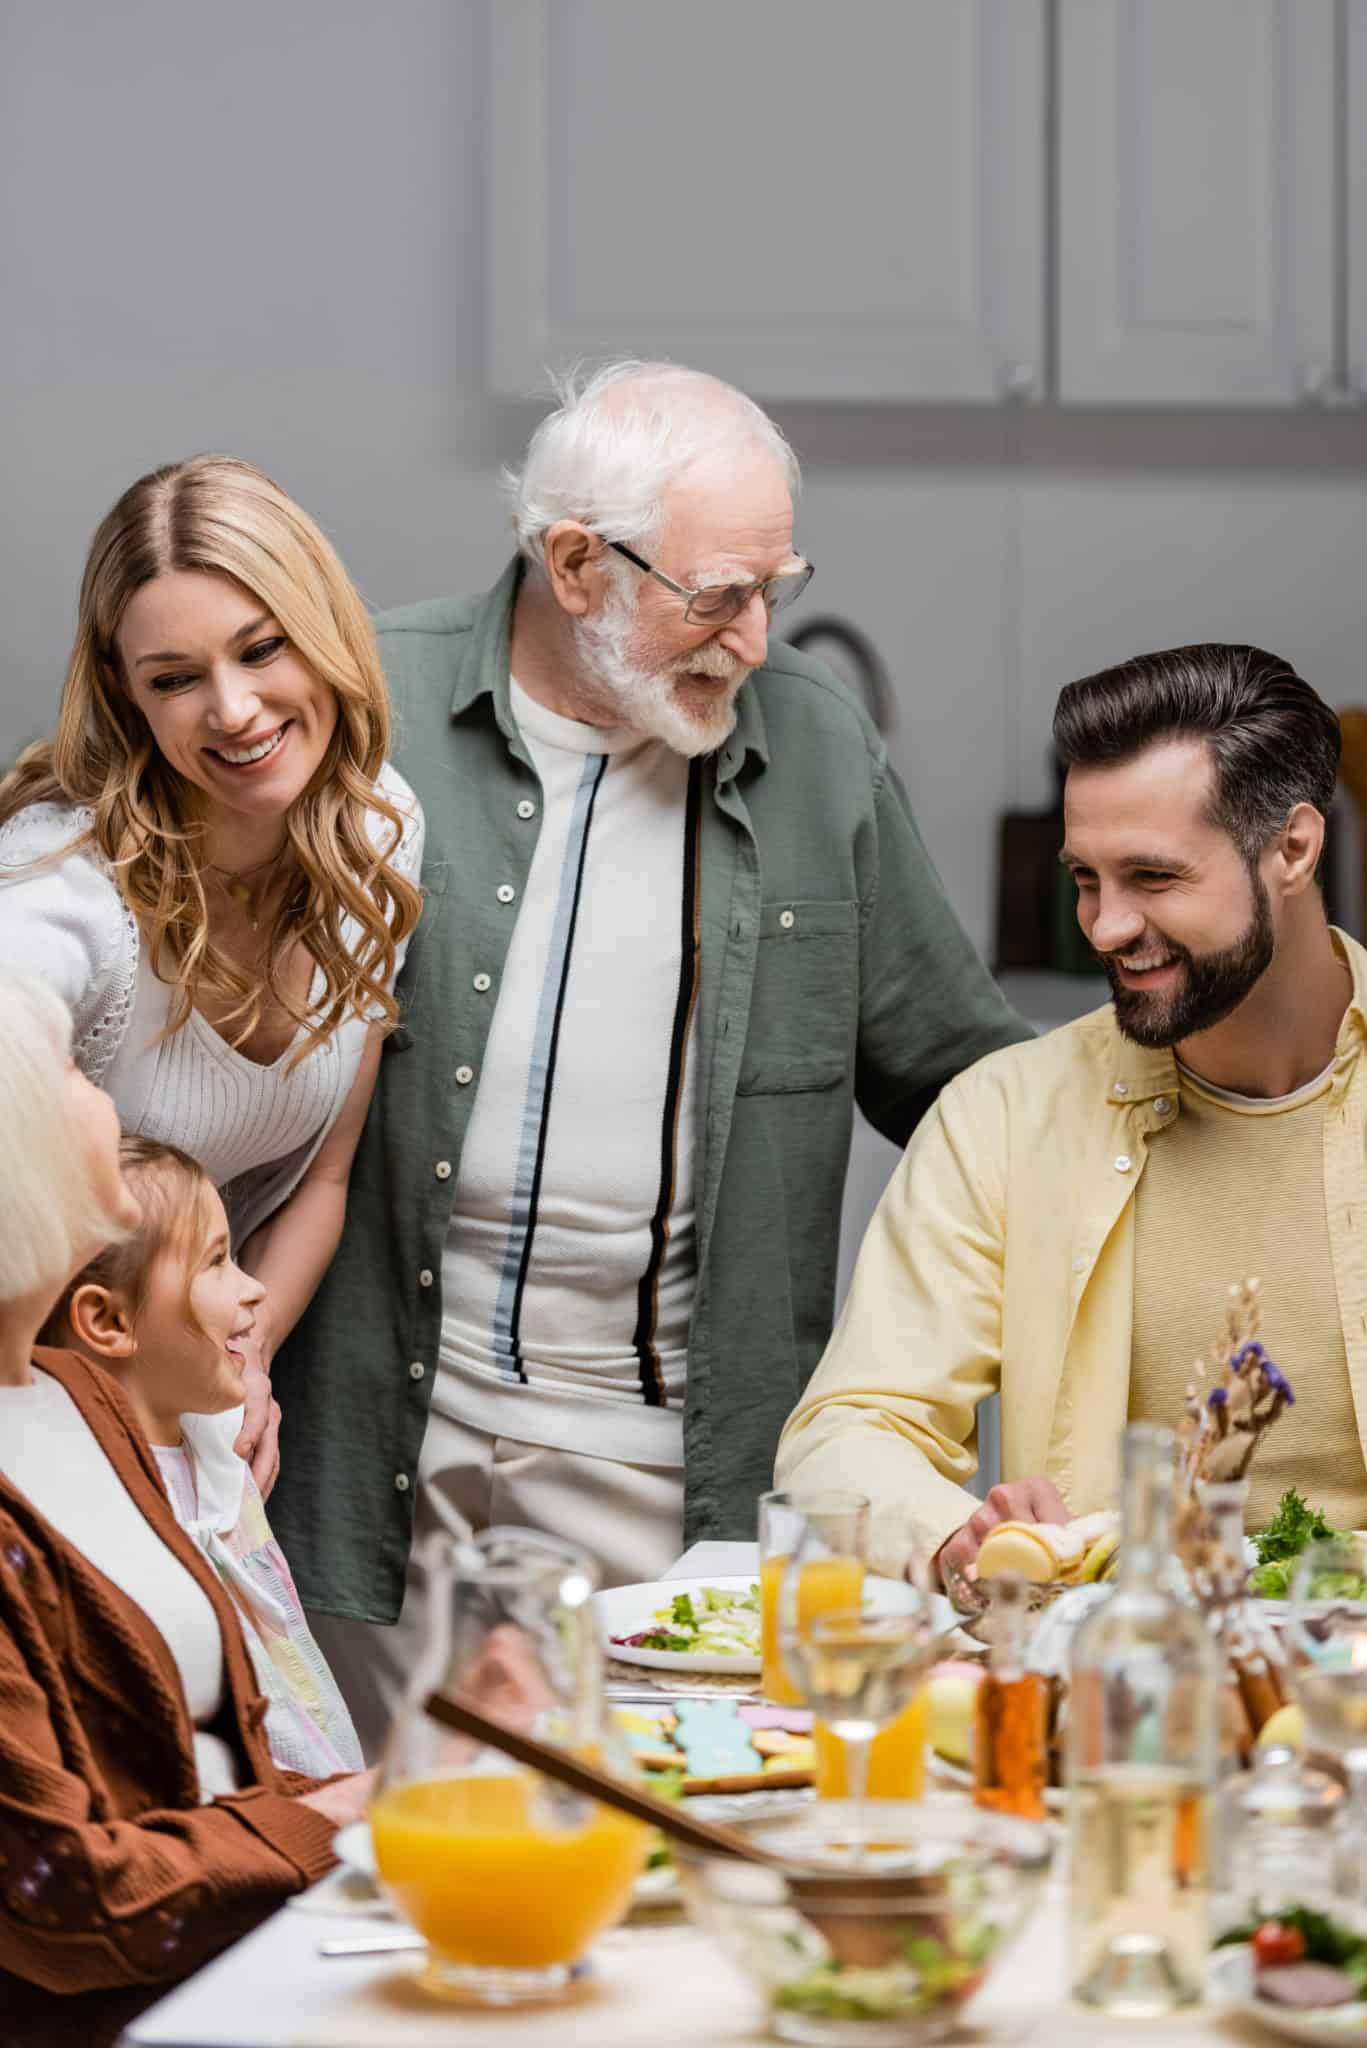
<point x="1011" y="1729"/>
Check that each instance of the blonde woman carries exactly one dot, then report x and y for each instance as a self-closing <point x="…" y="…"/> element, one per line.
<point x="143" y="1824"/>
<point x="215" y="867"/>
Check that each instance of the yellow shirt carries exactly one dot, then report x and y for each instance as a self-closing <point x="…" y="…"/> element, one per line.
<point x="1214" y="1203"/>
<point x="1002" y="1255"/>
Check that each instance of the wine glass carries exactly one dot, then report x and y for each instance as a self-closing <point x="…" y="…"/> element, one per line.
<point x="509" y="1875"/>
<point x="1329" y="1636"/>
<point x="857" y="1672"/>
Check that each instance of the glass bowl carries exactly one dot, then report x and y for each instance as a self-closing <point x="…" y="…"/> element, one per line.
<point x="872" y="1945"/>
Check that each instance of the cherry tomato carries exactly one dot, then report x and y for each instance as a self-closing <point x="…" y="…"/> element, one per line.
<point x="1275" y="1943"/>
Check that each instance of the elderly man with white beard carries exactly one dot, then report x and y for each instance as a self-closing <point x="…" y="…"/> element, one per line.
<point x="678" y="921"/>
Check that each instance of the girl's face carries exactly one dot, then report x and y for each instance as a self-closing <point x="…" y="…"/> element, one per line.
<point x="196" y="1367"/>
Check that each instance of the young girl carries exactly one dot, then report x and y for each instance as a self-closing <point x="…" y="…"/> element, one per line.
<point x="166" y="1312"/>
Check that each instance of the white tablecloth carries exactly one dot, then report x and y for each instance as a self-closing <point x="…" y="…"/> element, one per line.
<point x="654" y="1987"/>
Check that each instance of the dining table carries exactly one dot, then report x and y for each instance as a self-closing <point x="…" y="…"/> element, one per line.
<point x="654" y="1982"/>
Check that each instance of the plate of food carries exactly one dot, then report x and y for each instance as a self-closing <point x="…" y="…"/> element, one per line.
<point x="1303" y="1975"/>
<point x="684" y="1624"/>
<point x="714" y="1624"/>
<point x="1274" y="1556"/>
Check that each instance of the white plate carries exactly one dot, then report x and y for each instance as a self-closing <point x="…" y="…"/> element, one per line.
<point x="627" y="1610"/>
<point x="1230" y="1980"/>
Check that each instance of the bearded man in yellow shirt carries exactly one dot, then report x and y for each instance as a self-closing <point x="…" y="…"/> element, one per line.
<point x="1067" y="1221"/>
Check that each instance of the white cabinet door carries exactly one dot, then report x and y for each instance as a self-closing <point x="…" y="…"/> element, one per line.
<point x="1196" y="201"/>
<point x="813" y="201"/>
<point x="1355" y="236"/>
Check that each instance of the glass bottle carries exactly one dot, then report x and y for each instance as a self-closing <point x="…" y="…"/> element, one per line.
<point x="1273" y="1846"/>
<point x="1011" y="1714"/>
<point x="1141" y="1766"/>
<point x="510" y="1875"/>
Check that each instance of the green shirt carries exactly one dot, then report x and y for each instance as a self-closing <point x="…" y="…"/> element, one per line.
<point x="832" y="969"/>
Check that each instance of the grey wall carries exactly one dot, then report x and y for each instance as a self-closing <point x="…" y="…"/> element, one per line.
<point x="259" y="228"/>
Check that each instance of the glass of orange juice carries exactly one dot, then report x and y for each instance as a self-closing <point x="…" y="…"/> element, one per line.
<point x="508" y="1875"/>
<point x="811" y="1550"/>
<point x="896" y="1757"/>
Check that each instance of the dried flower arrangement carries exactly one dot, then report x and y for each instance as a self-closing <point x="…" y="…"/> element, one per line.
<point x="1222" y="1428"/>
<point x="1222" y="1425"/>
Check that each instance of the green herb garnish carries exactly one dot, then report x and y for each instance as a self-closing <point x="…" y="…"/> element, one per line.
<point x="1294" y="1525"/>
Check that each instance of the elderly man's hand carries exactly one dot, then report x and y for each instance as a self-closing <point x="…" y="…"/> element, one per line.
<point x="258" y="1440"/>
<point x="1017" y="1500"/>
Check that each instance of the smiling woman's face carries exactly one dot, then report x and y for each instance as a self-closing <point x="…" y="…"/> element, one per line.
<point x="232" y="705"/>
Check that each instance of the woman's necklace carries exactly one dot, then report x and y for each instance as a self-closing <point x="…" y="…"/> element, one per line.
<point x="236" y="882"/>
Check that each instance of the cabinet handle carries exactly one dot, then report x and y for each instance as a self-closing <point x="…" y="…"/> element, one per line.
<point x="1017" y="380"/>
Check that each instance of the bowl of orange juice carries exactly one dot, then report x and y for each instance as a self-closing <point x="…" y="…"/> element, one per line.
<point x="508" y="1877"/>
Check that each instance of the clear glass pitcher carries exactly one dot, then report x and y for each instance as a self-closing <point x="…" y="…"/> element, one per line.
<point x="508" y="1875"/>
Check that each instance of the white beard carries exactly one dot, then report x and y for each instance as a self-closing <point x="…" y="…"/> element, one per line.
<point x="645" y="700"/>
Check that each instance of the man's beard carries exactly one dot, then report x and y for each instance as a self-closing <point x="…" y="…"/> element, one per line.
<point x="647" y="700"/>
<point x="1212" y="985"/>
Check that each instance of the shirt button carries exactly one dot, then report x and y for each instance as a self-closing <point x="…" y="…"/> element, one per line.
<point x="483" y="983"/>
<point x="505" y="892"/>
<point x="400" y="1482"/>
<point x="464" y="1076"/>
<point x="415" y="1372"/>
<point x="425" y="1277"/>
<point x="442" y="1169"/>
<point x="787" y="919"/>
<point x="1161" y="1104"/>
<point x="1120" y="1087"/>
<point x="526" y="808"/>
<point x="1123" y="1162"/>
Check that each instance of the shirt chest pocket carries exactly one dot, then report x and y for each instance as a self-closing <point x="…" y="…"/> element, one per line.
<point x="805" y="1004"/>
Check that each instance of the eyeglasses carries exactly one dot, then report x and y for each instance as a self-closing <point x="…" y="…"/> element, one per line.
<point x="718" y="603"/>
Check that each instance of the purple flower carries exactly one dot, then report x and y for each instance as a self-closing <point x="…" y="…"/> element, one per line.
<point x="1278" y="1383"/>
<point x="1217" y="1397"/>
<point x="1246" y="1354"/>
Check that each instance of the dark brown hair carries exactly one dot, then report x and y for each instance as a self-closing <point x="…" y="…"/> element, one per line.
<point x="1273" y="742"/>
<point x="171" y="1187"/>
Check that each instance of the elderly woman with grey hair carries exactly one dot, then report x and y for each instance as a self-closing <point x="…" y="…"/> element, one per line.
<point x="127" y="1862"/>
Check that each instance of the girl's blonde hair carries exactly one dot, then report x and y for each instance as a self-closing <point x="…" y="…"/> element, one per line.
<point x="171" y="1187"/>
<point x="216" y="514"/>
<point x="50" y="1216"/>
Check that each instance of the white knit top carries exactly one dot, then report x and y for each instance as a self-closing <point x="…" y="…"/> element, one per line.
<point x="253" y="1128"/>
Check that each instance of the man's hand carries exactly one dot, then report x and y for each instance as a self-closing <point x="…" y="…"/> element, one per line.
<point x="1020" y="1500"/>
<point x="259" y="1437"/>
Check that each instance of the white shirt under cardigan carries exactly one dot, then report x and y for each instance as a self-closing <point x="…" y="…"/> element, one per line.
<point x="253" y="1128"/>
<point x="570" y="1265"/>
<point x="47" y="1449"/>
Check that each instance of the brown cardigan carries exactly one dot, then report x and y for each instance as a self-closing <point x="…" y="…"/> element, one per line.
<point x="114" y="1880"/>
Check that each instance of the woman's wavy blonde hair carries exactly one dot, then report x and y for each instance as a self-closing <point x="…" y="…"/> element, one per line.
<point x="217" y="514"/>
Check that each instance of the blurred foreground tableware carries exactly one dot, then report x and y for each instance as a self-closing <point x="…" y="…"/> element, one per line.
<point x="858" y="1673"/>
<point x="1328" y="1638"/>
<point x="507" y="1874"/>
<point x="854" y="1946"/>
<point x="1141" y="1766"/>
